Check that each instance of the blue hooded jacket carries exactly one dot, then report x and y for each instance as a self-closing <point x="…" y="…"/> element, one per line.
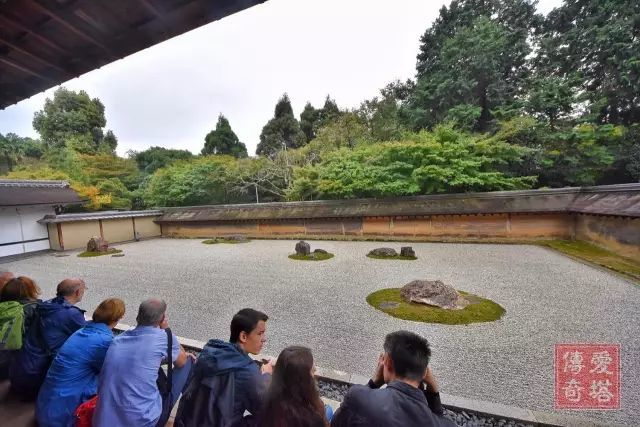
<point x="55" y="321"/>
<point x="73" y="376"/>
<point x="224" y="383"/>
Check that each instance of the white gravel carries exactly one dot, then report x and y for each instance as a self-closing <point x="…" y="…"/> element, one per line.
<point x="549" y="299"/>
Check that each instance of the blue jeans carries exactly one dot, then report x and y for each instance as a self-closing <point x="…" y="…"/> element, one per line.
<point x="178" y="382"/>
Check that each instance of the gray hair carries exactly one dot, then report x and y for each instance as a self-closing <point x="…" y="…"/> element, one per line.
<point x="68" y="287"/>
<point x="151" y="312"/>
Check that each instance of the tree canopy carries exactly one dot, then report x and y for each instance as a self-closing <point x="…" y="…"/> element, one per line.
<point x="282" y="131"/>
<point x="223" y="140"/>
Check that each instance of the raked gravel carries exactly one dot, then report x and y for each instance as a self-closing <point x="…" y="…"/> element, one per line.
<point x="549" y="299"/>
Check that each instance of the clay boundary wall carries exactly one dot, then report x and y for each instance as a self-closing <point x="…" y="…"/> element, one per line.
<point x="608" y="216"/>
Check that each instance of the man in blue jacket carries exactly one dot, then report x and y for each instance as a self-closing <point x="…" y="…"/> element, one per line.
<point x="411" y="397"/>
<point x="225" y="381"/>
<point x="55" y="321"/>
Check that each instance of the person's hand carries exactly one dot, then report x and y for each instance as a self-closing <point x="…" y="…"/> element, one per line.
<point x="430" y="380"/>
<point x="267" y="367"/>
<point x="165" y="323"/>
<point x="192" y="356"/>
<point x="378" y="375"/>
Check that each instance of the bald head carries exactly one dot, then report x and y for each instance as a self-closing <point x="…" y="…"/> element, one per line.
<point x="151" y="312"/>
<point x="5" y="276"/>
<point x="71" y="289"/>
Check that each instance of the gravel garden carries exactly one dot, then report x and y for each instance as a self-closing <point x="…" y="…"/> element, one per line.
<point x="547" y="298"/>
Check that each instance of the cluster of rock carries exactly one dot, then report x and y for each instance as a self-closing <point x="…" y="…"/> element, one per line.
<point x="304" y="249"/>
<point x="434" y="293"/>
<point x="405" y="251"/>
<point x="97" y="244"/>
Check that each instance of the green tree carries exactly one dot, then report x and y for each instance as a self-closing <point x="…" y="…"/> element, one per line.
<point x="517" y="16"/>
<point x="597" y="42"/>
<point x="283" y="130"/>
<point x="110" y="142"/>
<point x="154" y="158"/>
<point x="308" y="121"/>
<point x="473" y="68"/>
<point x="223" y="140"/>
<point x="382" y="115"/>
<point x="328" y="113"/>
<point x="422" y="163"/>
<point x="551" y="98"/>
<point x="199" y="181"/>
<point x="475" y="53"/>
<point x="68" y="114"/>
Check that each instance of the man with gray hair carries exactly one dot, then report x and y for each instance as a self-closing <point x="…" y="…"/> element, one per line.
<point x="54" y="322"/>
<point x="128" y="385"/>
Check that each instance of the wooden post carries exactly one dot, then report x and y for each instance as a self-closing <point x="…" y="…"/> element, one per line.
<point x="59" y="227"/>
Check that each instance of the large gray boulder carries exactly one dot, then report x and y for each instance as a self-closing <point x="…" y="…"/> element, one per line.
<point x="97" y="244"/>
<point x="385" y="252"/>
<point x="303" y="248"/>
<point x="434" y="293"/>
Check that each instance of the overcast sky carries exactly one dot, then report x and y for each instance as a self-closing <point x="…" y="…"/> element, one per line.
<point x="170" y="95"/>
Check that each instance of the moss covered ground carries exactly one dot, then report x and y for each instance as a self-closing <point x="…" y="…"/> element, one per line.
<point x="596" y="255"/>
<point x="87" y="254"/>
<point x="311" y="257"/>
<point x="479" y="309"/>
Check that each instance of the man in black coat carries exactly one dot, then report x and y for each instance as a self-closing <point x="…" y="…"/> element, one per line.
<point x="411" y="397"/>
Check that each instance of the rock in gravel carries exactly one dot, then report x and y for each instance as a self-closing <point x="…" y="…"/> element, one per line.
<point x="303" y="248"/>
<point x="407" y="251"/>
<point x="97" y="244"/>
<point x="387" y="252"/>
<point x="320" y="251"/>
<point x="433" y="292"/>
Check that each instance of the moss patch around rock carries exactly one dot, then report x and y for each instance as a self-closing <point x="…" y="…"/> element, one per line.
<point x="223" y="240"/>
<point x="87" y="254"/>
<point x="401" y="257"/>
<point x="479" y="309"/>
<point x="312" y="257"/>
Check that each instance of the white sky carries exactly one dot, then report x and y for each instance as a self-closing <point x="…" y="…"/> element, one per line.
<point x="170" y="95"/>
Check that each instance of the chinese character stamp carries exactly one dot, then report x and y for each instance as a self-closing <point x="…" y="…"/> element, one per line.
<point x="587" y="376"/>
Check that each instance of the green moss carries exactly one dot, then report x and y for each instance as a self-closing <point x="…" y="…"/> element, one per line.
<point x="87" y="254"/>
<point x="402" y="257"/>
<point x="594" y="254"/>
<point x="223" y="240"/>
<point x="311" y="257"/>
<point x="479" y="309"/>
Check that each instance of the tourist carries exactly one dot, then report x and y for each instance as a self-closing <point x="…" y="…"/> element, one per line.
<point x="18" y="300"/>
<point x="226" y="382"/>
<point x="73" y="376"/>
<point x="293" y="399"/>
<point x="128" y="393"/>
<point x="411" y="397"/>
<point x="54" y="322"/>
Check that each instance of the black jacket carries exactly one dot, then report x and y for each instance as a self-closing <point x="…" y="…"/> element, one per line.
<point x="399" y="404"/>
<point x="224" y="383"/>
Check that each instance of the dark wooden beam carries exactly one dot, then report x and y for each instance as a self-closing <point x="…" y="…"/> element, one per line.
<point x="156" y="12"/>
<point x="13" y="21"/>
<point x="17" y="48"/>
<point x="60" y="20"/>
<point x="25" y="69"/>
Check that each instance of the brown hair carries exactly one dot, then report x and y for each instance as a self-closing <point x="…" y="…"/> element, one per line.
<point x="293" y="398"/>
<point x="109" y="311"/>
<point x="20" y="288"/>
